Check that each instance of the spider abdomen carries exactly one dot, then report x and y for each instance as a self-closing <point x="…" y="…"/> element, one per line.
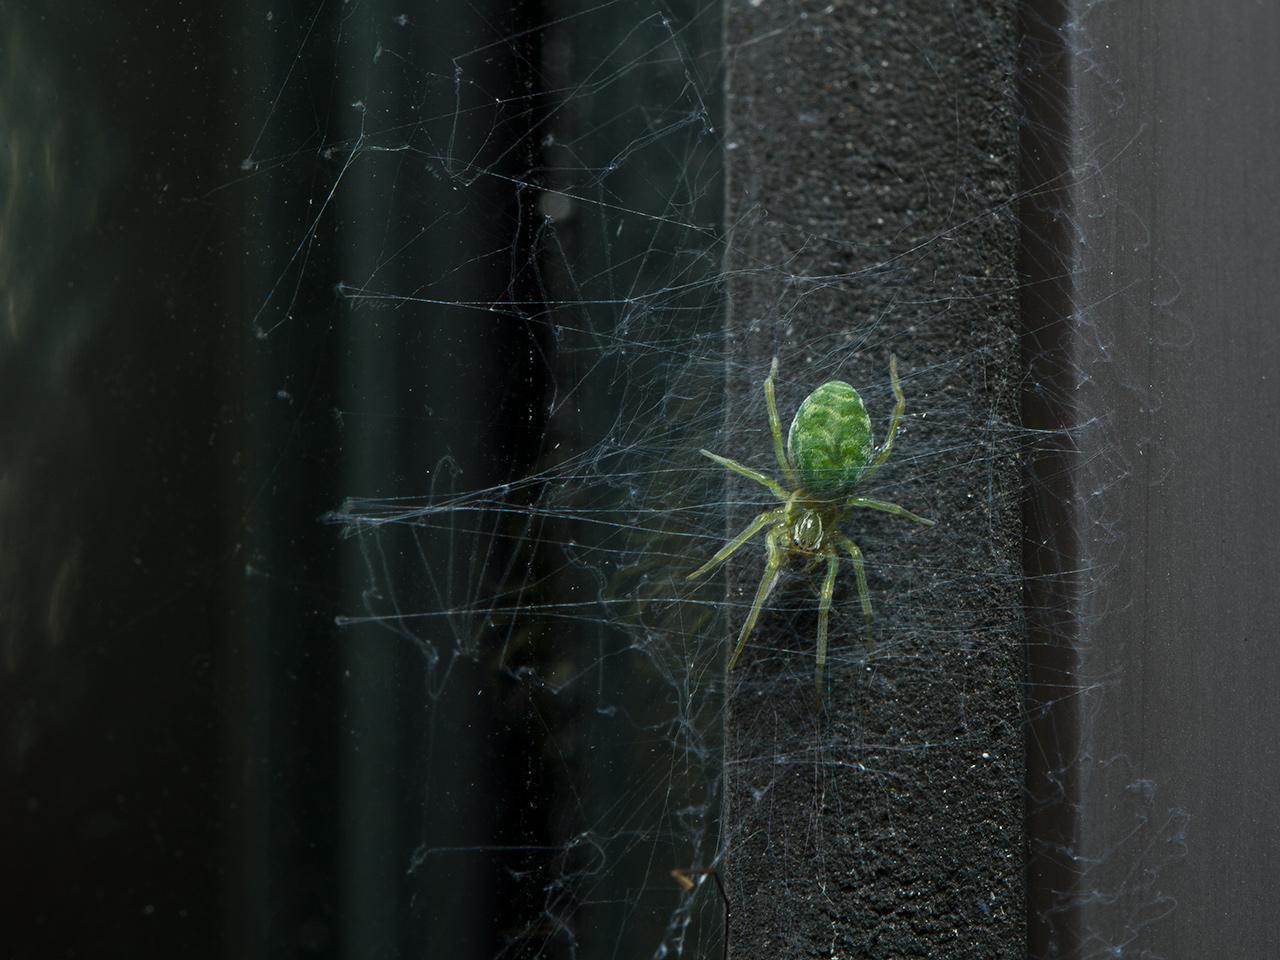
<point x="830" y="440"/>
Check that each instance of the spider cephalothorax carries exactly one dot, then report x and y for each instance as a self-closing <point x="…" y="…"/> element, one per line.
<point x="829" y="453"/>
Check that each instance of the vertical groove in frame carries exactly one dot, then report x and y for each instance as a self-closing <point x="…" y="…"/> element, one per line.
<point x="1051" y="545"/>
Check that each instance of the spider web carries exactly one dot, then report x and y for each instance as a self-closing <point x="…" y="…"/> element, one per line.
<point x="533" y="286"/>
<point x="500" y="292"/>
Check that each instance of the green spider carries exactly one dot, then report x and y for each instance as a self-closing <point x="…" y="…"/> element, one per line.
<point x="829" y="453"/>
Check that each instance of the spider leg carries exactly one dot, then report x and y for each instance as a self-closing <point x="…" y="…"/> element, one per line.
<point x="772" y="485"/>
<point x="886" y="448"/>
<point x="772" y="570"/>
<point x="861" y="573"/>
<point x="893" y="508"/>
<point x="775" y="428"/>
<point x="824" y="610"/>
<point x="725" y="552"/>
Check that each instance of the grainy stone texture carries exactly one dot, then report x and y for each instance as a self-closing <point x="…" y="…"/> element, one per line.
<point x="872" y="167"/>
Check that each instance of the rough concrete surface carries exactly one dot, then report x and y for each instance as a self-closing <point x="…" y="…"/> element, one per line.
<point x="872" y="167"/>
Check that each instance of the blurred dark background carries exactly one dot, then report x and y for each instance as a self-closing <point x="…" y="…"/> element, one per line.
<point x="196" y="760"/>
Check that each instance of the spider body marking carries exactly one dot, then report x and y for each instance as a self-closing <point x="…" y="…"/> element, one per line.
<point x="829" y="452"/>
